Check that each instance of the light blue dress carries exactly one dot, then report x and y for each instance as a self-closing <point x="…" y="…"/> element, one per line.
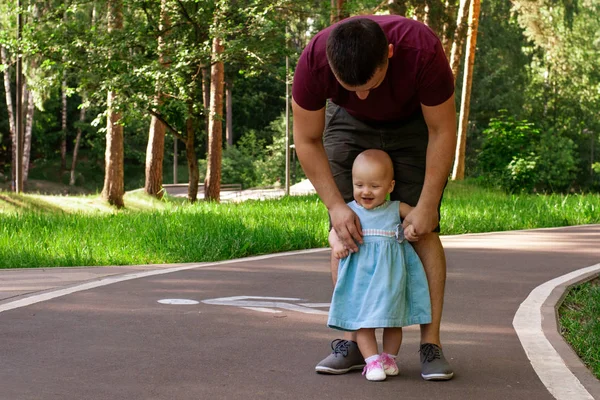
<point x="383" y="284"/>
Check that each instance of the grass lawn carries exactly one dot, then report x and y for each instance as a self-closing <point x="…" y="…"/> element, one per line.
<point x="51" y="231"/>
<point x="579" y="317"/>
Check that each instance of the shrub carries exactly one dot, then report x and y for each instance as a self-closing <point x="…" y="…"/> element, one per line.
<point x="517" y="157"/>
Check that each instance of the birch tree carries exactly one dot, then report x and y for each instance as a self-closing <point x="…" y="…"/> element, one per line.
<point x="458" y="172"/>
<point x="9" y="106"/>
<point x="459" y="37"/>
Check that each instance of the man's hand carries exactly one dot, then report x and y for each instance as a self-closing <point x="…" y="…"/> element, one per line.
<point x="423" y="221"/>
<point x="347" y="226"/>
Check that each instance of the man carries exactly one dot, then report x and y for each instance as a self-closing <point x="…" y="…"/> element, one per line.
<point x="390" y="87"/>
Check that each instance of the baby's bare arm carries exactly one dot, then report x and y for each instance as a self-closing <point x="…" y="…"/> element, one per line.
<point x="409" y="231"/>
<point x="337" y="247"/>
<point x="404" y="210"/>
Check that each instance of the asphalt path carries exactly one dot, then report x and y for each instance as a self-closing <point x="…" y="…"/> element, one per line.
<point x="259" y="327"/>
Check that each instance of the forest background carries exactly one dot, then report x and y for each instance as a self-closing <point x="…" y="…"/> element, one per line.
<point x="114" y="89"/>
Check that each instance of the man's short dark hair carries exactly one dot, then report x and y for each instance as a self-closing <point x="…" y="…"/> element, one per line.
<point x="355" y="49"/>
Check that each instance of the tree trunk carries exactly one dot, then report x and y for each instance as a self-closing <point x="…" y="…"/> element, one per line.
<point x="449" y="27"/>
<point x="24" y="102"/>
<point x="113" y="176"/>
<point x="28" y="131"/>
<point x="155" y="151"/>
<point x="190" y="152"/>
<point x="11" y="111"/>
<point x="175" y="158"/>
<point x="337" y="11"/>
<point x="229" y="111"/>
<point x="459" y="37"/>
<point x="435" y="16"/>
<point x="212" y="183"/>
<point x="206" y="97"/>
<point x="426" y="18"/>
<point x="397" y="7"/>
<point x="459" y="166"/>
<point x="63" y="140"/>
<point x="76" y="147"/>
<point x="420" y="12"/>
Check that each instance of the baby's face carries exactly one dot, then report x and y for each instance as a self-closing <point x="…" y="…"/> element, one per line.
<point x="371" y="185"/>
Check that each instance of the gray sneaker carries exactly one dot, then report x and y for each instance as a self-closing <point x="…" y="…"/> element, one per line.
<point x="345" y="357"/>
<point x="434" y="366"/>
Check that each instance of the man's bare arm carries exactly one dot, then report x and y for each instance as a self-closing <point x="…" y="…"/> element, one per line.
<point x="308" y="139"/>
<point x="441" y="123"/>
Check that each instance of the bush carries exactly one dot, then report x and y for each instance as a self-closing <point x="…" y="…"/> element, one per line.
<point x="517" y="157"/>
<point x="521" y="174"/>
<point x="238" y="161"/>
<point x="557" y="166"/>
<point x="253" y="164"/>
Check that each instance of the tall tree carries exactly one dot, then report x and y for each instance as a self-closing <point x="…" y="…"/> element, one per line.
<point x="156" y="142"/>
<point x="212" y="183"/>
<point x="206" y="93"/>
<point x="82" y="112"/>
<point x="9" y="106"/>
<point x="113" y="176"/>
<point x="449" y="26"/>
<point x="229" y="111"/>
<point x="459" y="37"/>
<point x="337" y="11"/>
<point x="397" y="7"/>
<point x="29" y="111"/>
<point x="190" y="150"/>
<point x="458" y="172"/>
<point x="63" y="135"/>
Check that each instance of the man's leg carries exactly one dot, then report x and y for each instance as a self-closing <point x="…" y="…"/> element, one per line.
<point x="406" y="144"/>
<point x="434" y="364"/>
<point x="430" y="251"/>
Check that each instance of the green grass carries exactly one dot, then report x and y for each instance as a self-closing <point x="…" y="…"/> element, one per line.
<point x="158" y="232"/>
<point x="468" y="209"/>
<point x="579" y="317"/>
<point x="50" y="231"/>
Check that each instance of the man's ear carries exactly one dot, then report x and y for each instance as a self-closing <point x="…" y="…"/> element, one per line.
<point x="390" y="50"/>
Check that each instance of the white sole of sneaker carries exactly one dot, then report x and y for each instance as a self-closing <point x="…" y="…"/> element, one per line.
<point x="331" y="371"/>
<point x="438" y="377"/>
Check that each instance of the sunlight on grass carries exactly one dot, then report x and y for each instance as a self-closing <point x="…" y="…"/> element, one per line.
<point x="84" y="230"/>
<point x="86" y="204"/>
<point x="580" y="324"/>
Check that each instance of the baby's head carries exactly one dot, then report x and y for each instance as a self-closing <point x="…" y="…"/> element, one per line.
<point x="372" y="178"/>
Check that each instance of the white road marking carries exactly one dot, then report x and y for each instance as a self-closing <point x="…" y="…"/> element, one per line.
<point x="261" y="309"/>
<point x="258" y="303"/>
<point x="545" y="360"/>
<point x="316" y="305"/>
<point x="178" y="302"/>
<point x="38" y="298"/>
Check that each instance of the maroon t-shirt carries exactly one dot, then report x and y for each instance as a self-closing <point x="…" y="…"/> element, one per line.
<point x="418" y="73"/>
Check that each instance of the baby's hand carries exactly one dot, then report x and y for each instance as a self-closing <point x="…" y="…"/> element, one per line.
<point x="339" y="251"/>
<point x="410" y="234"/>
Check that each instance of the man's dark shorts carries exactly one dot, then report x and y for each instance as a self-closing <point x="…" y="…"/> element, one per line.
<point x="345" y="137"/>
